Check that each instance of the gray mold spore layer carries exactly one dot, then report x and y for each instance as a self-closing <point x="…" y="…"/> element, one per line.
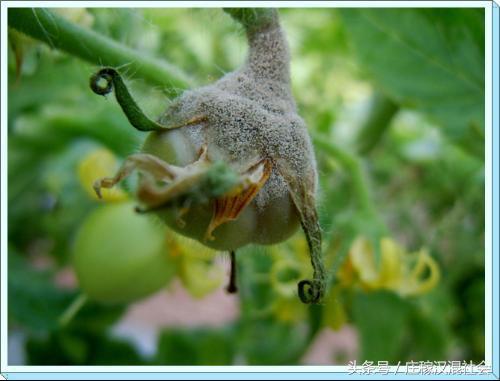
<point x="251" y="114"/>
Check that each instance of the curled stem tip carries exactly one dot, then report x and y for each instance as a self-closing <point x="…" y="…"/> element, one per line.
<point x="311" y="291"/>
<point x="107" y="79"/>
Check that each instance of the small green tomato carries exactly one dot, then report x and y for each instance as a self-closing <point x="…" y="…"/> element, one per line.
<point x="120" y="256"/>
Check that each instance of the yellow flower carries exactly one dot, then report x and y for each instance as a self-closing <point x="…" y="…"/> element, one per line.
<point x="402" y="272"/>
<point x="334" y="314"/>
<point x="198" y="272"/>
<point x="288" y="310"/>
<point x="99" y="163"/>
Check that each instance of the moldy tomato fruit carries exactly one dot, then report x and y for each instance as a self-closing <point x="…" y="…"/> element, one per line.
<point x="230" y="163"/>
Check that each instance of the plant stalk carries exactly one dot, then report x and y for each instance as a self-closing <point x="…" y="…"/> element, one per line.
<point x="72" y="310"/>
<point x="379" y="117"/>
<point x="59" y="33"/>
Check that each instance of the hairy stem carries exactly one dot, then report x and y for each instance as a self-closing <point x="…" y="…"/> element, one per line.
<point x="59" y="33"/>
<point x="252" y="18"/>
<point x="312" y="291"/>
<point x="103" y="82"/>
<point x="382" y="110"/>
<point x="268" y="53"/>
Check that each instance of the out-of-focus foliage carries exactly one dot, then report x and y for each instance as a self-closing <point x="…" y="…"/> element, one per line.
<point x="421" y="187"/>
<point x="438" y="68"/>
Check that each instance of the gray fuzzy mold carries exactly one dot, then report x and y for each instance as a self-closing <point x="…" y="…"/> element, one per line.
<point x="251" y="114"/>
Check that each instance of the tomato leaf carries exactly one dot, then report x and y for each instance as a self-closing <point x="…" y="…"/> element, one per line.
<point x="34" y="301"/>
<point x="381" y="319"/>
<point x="431" y="60"/>
<point x="200" y="346"/>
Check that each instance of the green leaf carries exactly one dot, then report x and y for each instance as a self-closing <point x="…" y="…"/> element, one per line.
<point x="195" y="347"/>
<point x="269" y="342"/>
<point x="96" y="318"/>
<point x="381" y="319"/>
<point x="429" y="339"/>
<point x="34" y="301"/>
<point x="37" y="304"/>
<point x="111" y="351"/>
<point x="428" y="59"/>
<point x="80" y="348"/>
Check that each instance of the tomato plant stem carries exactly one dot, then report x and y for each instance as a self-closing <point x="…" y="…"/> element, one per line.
<point x="59" y="33"/>
<point x="382" y="110"/>
<point x="251" y="17"/>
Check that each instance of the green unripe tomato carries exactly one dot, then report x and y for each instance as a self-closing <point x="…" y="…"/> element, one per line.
<point x="262" y="222"/>
<point x="121" y="256"/>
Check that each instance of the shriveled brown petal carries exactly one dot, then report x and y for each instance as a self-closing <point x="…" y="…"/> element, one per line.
<point x="177" y="179"/>
<point x="228" y="208"/>
<point x="157" y="168"/>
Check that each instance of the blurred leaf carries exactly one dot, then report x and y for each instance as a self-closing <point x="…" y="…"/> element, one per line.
<point x="96" y="318"/>
<point x="50" y="78"/>
<point x="469" y="322"/>
<point x="428" y="59"/>
<point x="37" y="303"/>
<point x="107" y="351"/>
<point x="381" y="320"/>
<point x="270" y="342"/>
<point x="34" y="301"/>
<point x="428" y="341"/>
<point x="56" y="127"/>
<point x="77" y="348"/>
<point x="198" y="346"/>
<point x="254" y="266"/>
<point x="53" y="201"/>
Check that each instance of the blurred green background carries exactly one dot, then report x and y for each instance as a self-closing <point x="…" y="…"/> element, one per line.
<point x="395" y="98"/>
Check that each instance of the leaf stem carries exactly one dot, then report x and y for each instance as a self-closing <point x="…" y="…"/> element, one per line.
<point x="72" y="310"/>
<point x="59" y="33"/>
